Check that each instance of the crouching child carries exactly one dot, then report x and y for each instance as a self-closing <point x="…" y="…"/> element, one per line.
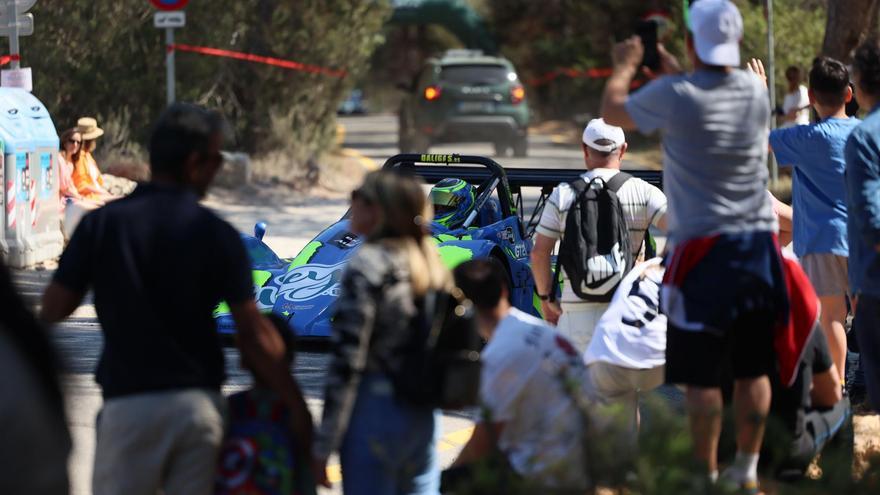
<point x="535" y="432"/>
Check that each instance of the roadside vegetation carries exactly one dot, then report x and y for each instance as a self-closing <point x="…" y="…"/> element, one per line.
<point x="104" y="58"/>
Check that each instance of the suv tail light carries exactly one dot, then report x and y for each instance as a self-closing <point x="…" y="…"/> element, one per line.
<point x="517" y="94"/>
<point x="432" y="93"/>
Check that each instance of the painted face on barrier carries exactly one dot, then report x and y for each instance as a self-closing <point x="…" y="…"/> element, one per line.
<point x="303" y="283"/>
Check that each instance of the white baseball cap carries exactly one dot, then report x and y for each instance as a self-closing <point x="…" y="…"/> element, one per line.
<point x="717" y="27"/>
<point x="603" y="137"/>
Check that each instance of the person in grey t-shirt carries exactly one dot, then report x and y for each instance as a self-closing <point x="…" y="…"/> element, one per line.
<point x="723" y="291"/>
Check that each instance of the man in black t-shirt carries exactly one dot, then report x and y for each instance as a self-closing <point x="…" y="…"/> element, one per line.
<point x="813" y="411"/>
<point x="158" y="263"/>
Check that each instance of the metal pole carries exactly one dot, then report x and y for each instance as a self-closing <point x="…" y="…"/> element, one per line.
<point x="771" y="84"/>
<point x="169" y="64"/>
<point x="14" y="49"/>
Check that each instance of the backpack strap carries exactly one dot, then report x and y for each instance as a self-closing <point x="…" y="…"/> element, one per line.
<point x="616" y="182"/>
<point x="579" y="187"/>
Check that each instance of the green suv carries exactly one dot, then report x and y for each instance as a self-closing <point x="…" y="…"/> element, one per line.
<point x="465" y="96"/>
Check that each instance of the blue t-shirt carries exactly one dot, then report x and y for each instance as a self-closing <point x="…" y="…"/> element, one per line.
<point x="863" y="201"/>
<point x="815" y="152"/>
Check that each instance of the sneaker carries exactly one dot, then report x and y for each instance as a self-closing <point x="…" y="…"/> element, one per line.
<point x="728" y="484"/>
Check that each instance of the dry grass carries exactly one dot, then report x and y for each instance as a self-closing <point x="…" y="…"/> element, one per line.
<point x="867" y="433"/>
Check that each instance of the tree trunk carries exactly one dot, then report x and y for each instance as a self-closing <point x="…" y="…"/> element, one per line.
<point x="849" y="23"/>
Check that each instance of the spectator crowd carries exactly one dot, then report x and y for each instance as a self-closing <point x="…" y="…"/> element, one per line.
<point x="724" y="313"/>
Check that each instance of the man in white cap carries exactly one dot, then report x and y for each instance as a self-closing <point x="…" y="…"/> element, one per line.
<point x="723" y="291"/>
<point x="643" y="205"/>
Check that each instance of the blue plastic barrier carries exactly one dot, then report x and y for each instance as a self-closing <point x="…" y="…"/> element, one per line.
<point x="31" y="205"/>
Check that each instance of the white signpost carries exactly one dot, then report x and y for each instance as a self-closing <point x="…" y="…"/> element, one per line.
<point x="169" y="18"/>
<point x="15" y="22"/>
<point x="166" y="20"/>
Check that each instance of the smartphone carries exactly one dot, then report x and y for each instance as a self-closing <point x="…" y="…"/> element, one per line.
<point x="647" y="31"/>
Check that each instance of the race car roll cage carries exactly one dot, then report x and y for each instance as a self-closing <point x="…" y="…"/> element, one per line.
<point x="433" y="168"/>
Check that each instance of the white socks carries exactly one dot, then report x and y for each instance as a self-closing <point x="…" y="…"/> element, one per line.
<point x="744" y="469"/>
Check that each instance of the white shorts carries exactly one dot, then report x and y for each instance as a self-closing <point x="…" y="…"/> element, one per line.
<point x="578" y="322"/>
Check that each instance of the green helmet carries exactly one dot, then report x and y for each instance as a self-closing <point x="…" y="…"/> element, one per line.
<point x="453" y="200"/>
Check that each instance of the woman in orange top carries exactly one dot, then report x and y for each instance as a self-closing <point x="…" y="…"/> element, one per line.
<point x="71" y="144"/>
<point x="86" y="174"/>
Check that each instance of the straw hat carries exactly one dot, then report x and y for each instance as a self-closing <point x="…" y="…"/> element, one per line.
<point x="89" y="129"/>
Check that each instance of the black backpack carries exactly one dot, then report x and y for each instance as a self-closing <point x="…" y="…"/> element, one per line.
<point x="439" y="365"/>
<point x="595" y="250"/>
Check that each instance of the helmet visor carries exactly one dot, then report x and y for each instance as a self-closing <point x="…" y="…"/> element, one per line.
<point x="444" y="201"/>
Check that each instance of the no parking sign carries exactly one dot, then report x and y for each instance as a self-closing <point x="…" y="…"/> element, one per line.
<point x="169" y="4"/>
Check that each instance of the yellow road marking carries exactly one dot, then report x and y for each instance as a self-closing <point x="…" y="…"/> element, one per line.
<point x="559" y="139"/>
<point x="448" y="442"/>
<point x="334" y="473"/>
<point x="459" y="437"/>
<point x="367" y="162"/>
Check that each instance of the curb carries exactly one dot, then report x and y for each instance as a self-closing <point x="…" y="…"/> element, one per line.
<point x="368" y="163"/>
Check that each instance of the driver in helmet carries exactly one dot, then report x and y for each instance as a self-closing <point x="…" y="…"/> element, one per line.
<point x="454" y="200"/>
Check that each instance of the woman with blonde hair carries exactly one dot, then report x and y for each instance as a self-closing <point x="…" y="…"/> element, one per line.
<point x="386" y="444"/>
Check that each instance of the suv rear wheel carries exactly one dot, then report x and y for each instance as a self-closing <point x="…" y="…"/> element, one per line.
<point x="500" y="149"/>
<point x="521" y="147"/>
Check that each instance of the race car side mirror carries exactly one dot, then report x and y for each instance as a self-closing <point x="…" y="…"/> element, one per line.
<point x="260" y="230"/>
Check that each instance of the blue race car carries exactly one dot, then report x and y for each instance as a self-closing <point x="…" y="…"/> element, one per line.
<point x="303" y="290"/>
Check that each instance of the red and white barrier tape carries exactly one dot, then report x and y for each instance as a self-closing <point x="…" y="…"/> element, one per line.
<point x="247" y="57"/>
<point x="10" y="204"/>
<point x="33" y="192"/>
<point x="5" y="59"/>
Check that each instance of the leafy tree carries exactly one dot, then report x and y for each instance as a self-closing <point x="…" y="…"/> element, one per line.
<point x="798" y="27"/>
<point x="541" y="37"/>
<point x="105" y="58"/>
<point x="849" y="23"/>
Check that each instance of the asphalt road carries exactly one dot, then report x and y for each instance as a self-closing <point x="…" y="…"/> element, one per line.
<point x="369" y="138"/>
<point x="375" y="137"/>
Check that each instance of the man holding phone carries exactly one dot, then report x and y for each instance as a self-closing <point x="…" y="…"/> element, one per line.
<point x="720" y="221"/>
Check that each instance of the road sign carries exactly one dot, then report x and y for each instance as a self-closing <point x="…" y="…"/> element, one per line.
<point x="175" y="19"/>
<point x="168" y="4"/>
<point x="14" y="23"/>
<point x="17" y="78"/>
<point x="24" y="23"/>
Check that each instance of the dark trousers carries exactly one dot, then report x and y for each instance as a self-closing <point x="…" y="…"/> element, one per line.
<point x="867" y="328"/>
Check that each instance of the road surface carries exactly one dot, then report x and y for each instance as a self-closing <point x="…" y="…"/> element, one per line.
<point x="375" y="137"/>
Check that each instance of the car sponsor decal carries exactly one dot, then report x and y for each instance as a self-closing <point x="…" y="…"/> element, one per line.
<point x="305" y="255"/>
<point x="303" y="283"/>
<point x="507" y="234"/>
<point x="440" y="159"/>
<point x="260" y="277"/>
